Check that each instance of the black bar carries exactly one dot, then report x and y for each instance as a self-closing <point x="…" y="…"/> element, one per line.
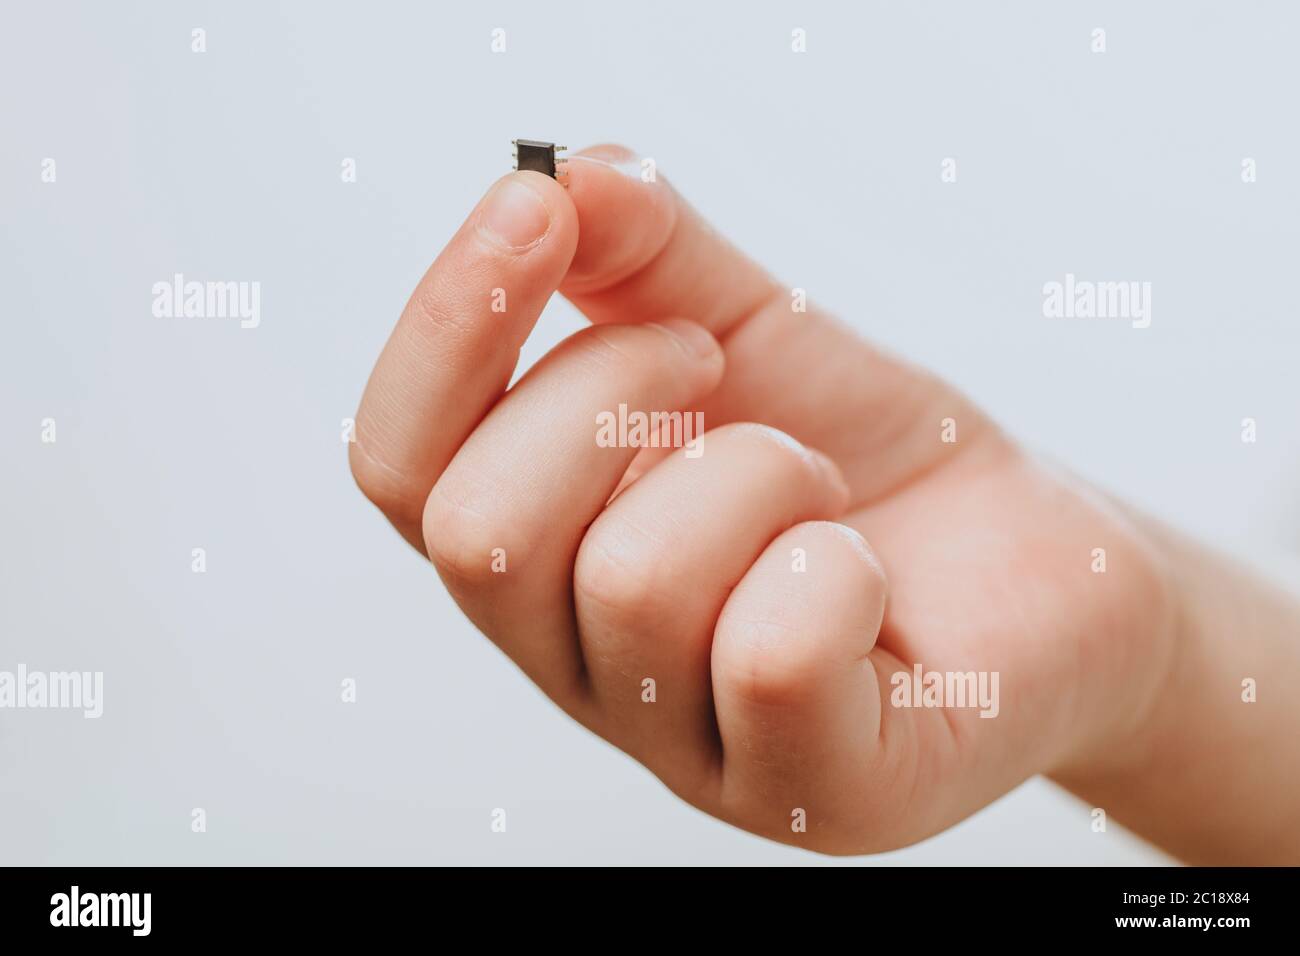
<point x="372" y="905"/>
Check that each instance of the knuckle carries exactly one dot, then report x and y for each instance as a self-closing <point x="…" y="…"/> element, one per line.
<point x="621" y="591"/>
<point x="767" y="662"/>
<point x="437" y="311"/>
<point x="605" y="347"/>
<point x="468" y="549"/>
<point x="850" y="549"/>
<point x="382" y="485"/>
<point x="771" y="442"/>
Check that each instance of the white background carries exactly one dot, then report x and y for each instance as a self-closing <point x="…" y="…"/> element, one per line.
<point x="222" y="689"/>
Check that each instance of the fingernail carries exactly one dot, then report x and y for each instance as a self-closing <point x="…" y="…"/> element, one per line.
<point x="621" y="162"/>
<point x="693" y="338"/>
<point x="514" y="215"/>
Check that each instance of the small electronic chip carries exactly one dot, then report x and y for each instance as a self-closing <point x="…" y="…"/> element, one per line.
<point x="539" y="157"/>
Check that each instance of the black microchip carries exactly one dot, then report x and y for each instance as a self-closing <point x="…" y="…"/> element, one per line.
<point x="538" y="156"/>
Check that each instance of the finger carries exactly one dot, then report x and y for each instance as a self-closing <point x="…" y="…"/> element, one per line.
<point x="798" y="700"/>
<point x="457" y="342"/>
<point x="654" y="571"/>
<point x="503" y="523"/>
<point x="644" y="252"/>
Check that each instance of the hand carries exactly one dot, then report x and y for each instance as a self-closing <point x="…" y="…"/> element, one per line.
<point x="927" y="538"/>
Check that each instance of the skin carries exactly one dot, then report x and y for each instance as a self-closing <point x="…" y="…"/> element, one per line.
<point x="772" y="686"/>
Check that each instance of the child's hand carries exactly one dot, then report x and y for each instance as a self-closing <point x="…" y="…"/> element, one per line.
<point x="849" y="517"/>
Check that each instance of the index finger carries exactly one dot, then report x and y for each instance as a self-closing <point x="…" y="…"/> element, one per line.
<point x="457" y="342"/>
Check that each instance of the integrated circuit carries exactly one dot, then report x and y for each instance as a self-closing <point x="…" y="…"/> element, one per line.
<point x="539" y="157"/>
